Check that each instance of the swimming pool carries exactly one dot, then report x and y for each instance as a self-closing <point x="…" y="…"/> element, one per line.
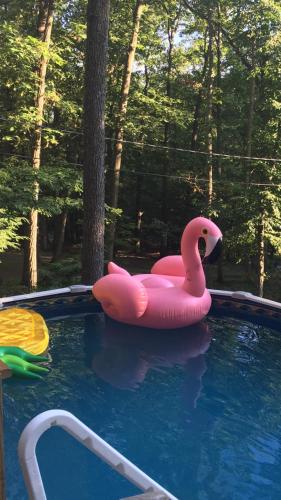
<point x="197" y="409"/>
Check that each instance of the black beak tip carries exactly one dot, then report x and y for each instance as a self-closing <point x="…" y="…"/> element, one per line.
<point x="214" y="255"/>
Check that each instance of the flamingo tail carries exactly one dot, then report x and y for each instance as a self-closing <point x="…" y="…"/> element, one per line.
<point x="114" y="269"/>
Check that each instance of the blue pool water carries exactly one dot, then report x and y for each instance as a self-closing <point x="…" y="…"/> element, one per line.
<point x="199" y="409"/>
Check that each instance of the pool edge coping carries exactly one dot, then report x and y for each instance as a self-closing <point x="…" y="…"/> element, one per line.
<point x="84" y="289"/>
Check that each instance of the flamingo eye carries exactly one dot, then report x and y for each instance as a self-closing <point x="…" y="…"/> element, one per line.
<point x="204" y="231"/>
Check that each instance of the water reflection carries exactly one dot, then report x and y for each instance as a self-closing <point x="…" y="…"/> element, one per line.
<point x="126" y="354"/>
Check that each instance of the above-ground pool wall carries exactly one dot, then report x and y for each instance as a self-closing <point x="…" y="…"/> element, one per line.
<point x="244" y="305"/>
<point x="65" y="301"/>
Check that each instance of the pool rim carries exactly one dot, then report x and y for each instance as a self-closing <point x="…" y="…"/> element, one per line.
<point x="240" y="304"/>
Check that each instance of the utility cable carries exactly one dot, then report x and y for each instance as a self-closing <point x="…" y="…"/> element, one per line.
<point x="186" y="178"/>
<point x="170" y="148"/>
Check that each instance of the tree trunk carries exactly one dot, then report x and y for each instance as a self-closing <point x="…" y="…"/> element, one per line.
<point x="219" y="92"/>
<point x="172" y="29"/>
<point x="139" y="212"/>
<point x="139" y="178"/>
<point x="166" y="166"/>
<point x="119" y="133"/>
<point x="25" y="247"/>
<point x="138" y="229"/>
<point x="45" y="22"/>
<point x="249" y="138"/>
<point x="94" y="104"/>
<point x="59" y="233"/>
<point x="220" y="277"/>
<point x="164" y="193"/>
<point x="250" y="124"/>
<point x="210" y="113"/>
<point x="261" y="255"/>
<point x="251" y="113"/>
<point x="198" y="103"/>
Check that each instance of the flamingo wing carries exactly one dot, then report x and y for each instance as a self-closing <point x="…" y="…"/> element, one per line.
<point x="122" y="297"/>
<point x="172" y="265"/>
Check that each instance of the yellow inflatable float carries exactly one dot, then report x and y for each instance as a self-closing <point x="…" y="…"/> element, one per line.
<point x="23" y="338"/>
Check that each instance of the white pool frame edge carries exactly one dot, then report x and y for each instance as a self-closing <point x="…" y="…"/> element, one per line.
<point x="77" y="289"/>
<point x="73" y="289"/>
<point x="249" y="297"/>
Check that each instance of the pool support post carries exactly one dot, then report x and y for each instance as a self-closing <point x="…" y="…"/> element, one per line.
<point x="5" y="372"/>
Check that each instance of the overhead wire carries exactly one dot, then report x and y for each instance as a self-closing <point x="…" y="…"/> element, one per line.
<point x="169" y="148"/>
<point x="193" y="151"/>
<point x="189" y="177"/>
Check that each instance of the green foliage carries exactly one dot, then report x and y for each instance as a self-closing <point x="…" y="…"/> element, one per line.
<point x="112" y="214"/>
<point x="126" y="240"/>
<point x="59" y="274"/>
<point x="9" y="226"/>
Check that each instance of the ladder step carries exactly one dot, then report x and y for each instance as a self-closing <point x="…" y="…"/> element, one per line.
<point x="148" y="496"/>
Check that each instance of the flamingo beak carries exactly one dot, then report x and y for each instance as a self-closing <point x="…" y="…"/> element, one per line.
<point x="213" y="250"/>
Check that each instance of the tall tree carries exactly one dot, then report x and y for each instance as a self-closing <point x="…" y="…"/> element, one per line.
<point x="173" y="14"/>
<point x="119" y="133"/>
<point x="94" y="103"/>
<point x="220" y="278"/>
<point x="209" y="84"/>
<point x="198" y="102"/>
<point x="45" y="22"/>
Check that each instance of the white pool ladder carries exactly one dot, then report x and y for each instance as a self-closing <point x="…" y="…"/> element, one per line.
<point x="68" y="422"/>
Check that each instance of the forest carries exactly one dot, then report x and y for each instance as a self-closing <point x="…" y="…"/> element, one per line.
<point x="192" y="95"/>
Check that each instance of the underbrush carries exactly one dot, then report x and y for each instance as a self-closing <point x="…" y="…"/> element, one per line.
<point x="66" y="272"/>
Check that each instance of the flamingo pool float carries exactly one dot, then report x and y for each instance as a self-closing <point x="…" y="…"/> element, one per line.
<point x="174" y="295"/>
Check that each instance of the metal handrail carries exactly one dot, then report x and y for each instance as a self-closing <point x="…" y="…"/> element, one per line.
<point x="68" y="422"/>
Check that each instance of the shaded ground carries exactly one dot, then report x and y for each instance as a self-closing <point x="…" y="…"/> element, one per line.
<point x="67" y="271"/>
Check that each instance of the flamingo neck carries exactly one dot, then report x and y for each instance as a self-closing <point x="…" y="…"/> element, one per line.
<point x="194" y="282"/>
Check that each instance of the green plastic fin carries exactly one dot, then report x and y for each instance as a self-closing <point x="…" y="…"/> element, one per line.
<point x="17" y="351"/>
<point x="18" y="371"/>
<point x="35" y="368"/>
<point x="23" y="368"/>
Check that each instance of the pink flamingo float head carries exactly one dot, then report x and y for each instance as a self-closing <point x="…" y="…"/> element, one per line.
<point x="174" y="294"/>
